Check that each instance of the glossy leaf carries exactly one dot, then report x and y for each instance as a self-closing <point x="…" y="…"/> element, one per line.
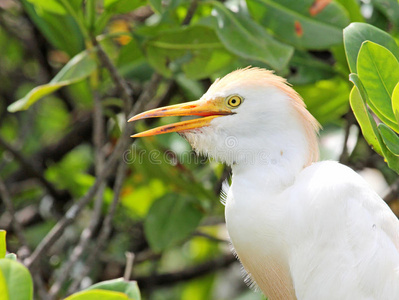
<point x="378" y="69"/>
<point x="3" y="249"/>
<point x="391" y="159"/>
<point x="390" y="138"/>
<point x="130" y="288"/>
<point x="170" y="220"/>
<point x="244" y="37"/>
<point x="357" y="100"/>
<point x="18" y="280"/>
<point x="80" y="67"/>
<point x="357" y="33"/>
<point x="301" y="24"/>
<point x="98" y="294"/>
<point x="395" y="102"/>
<point x="196" y="50"/>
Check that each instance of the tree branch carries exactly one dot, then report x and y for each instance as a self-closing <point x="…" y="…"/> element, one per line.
<point x="105" y="229"/>
<point x="16" y="225"/>
<point x="76" y="209"/>
<point x="205" y="268"/>
<point x="87" y="233"/>
<point x="123" y="88"/>
<point x="24" y="250"/>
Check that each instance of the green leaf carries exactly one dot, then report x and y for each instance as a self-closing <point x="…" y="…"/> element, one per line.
<point x="353" y="9"/>
<point x="196" y="50"/>
<point x="50" y="5"/>
<point x="78" y="68"/>
<point x="156" y="5"/>
<point x="327" y="100"/>
<point x="390" y="138"/>
<point x="308" y="69"/>
<point x="3" y="287"/>
<point x="357" y="100"/>
<point x="55" y="6"/>
<point x="297" y="23"/>
<point x="18" y="280"/>
<point x="122" y="6"/>
<point x="171" y="219"/>
<point x="395" y="102"/>
<point x="130" y="288"/>
<point x="60" y="30"/>
<point x="390" y="8"/>
<point x="244" y="37"/>
<point x="391" y="159"/>
<point x="97" y="294"/>
<point x="378" y="70"/>
<point x="357" y="33"/>
<point x="3" y="248"/>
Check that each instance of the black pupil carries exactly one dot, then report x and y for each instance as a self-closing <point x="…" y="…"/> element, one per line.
<point x="233" y="101"/>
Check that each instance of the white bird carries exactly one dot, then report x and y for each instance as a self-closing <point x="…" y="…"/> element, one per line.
<point x="302" y="229"/>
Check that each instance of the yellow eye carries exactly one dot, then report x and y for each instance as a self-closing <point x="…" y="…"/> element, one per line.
<point x="234" y="101"/>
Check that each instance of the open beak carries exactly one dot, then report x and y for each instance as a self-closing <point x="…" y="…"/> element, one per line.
<point x="208" y="109"/>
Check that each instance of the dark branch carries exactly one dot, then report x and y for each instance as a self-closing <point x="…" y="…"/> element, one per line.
<point x="205" y="268"/>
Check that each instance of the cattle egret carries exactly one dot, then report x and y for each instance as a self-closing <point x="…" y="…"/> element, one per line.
<point x="302" y="229"/>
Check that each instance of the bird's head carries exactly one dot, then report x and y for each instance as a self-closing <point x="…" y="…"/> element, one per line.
<point x="248" y="116"/>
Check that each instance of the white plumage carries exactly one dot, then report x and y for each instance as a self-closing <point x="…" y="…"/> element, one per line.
<point x="302" y="229"/>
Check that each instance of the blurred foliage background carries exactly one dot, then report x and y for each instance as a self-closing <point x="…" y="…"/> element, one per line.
<point x="73" y="71"/>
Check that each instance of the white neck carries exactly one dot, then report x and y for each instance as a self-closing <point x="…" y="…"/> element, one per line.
<point x="277" y="159"/>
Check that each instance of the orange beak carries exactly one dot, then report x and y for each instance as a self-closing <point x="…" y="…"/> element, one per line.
<point x="208" y="109"/>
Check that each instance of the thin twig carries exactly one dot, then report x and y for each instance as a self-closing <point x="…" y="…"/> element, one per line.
<point x="87" y="233"/>
<point x="210" y="237"/>
<point x="350" y="120"/>
<point x="105" y="229"/>
<point x="17" y="227"/>
<point x="124" y="90"/>
<point x="187" y="274"/>
<point x="76" y="209"/>
<point x="144" y="98"/>
<point x="129" y="265"/>
<point x="190" y="12"/>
